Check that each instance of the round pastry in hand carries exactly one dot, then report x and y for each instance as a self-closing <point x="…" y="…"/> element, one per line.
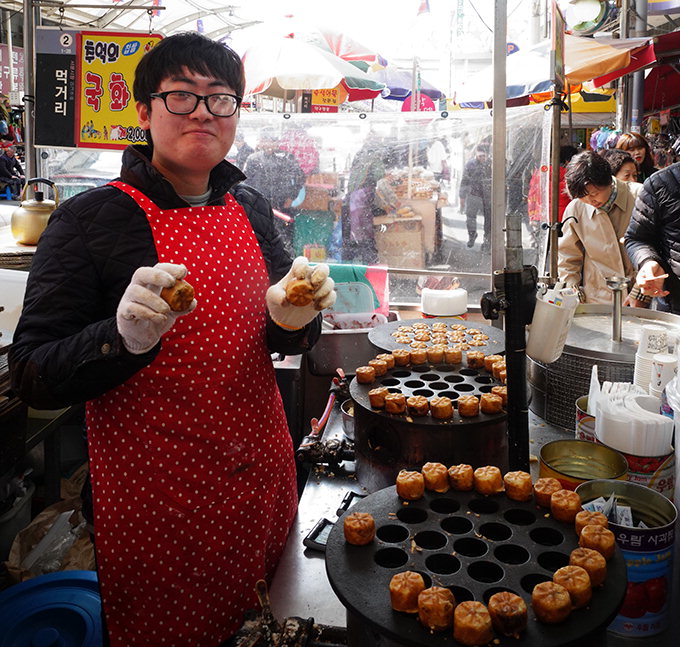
<point x="179" y="296"/>
<point x="551" y="602"/>
<point x="472" y="624"/>
<point x="359" y="528"/>
<point x="300" y="292"/>
<point x="508" y="613"/>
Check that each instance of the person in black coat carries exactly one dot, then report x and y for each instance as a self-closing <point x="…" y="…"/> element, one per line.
<point x="653" y="238"/>
<point x="11" y="172"/>
<point x="475" y="195"/>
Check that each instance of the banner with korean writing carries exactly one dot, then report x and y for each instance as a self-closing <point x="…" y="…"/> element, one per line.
<point x="106" y="116"/>
<point x="328" y="100"/>
<point x="55" y="86"/>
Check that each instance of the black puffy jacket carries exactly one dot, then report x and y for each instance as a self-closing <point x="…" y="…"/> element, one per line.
<point x="654" y="229"/>
<point x="66" y="346"/>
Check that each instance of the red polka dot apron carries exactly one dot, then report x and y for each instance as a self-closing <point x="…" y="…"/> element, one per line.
<point x="192" y="463"/>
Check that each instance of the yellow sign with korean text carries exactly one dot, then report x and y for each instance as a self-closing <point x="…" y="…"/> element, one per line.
<point x="106" y="115"/>
<point x="328" y="97"/>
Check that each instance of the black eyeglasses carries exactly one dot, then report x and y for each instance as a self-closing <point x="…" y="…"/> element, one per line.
<point x="183" y="102"/>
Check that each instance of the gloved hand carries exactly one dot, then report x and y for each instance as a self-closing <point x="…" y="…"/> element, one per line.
<point x="142" y="316"/>
<point x="291" y="317"/>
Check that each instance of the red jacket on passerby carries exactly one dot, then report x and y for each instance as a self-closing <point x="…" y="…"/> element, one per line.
<point x="535" y="199"/>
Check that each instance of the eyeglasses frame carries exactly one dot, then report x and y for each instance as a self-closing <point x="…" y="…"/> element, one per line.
<point x="199" y="98"/>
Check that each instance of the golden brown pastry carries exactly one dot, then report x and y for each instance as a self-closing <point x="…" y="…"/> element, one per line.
<point x="502" y="391"/>
<point x="365" y="374"/>
<point x="417" y="405"/>
<point x="468" y="405"/>
<point x="401" y="357"/>
<point x="388" y="358"/>
<point x="405" y="329"/>
<point x="551" y="602"/>
<point x="410" y="485"/>
<point x="518" y="486"/>
<point x="508" y="613"/>
<point x="458" y="326"/>
<point x="503" y="375"/>
<point x="418" y="344"/>
<point x="421" y="325"/>
<point x="490" y="360"/>
<point x="179" y="297"/>
<point x="435" y="608"/>
<point x="436" y="477"/>
<point x="589" y="517"/>
<point x="421" y="336"/>
<point x="475" y="359"/>
<point x="476" y="341"/>
<point x="435" y="354"/>
<point x="577" y="581"/>
<point x="418" y="356"/>
<point x="490" y="403"/>
<point x="395" y="403"/>
<point x="453" y="355"/>
<point x="377" y="396"/>
<point x="472" y="624"/>
<point x="359" y="528"/>
<point x="598" y="538"/>
<point x="439" y="325"/>
<point x="461" y="477"/>
<point x="488" y="480"/>
<point x="379" y="366"/>
<point x="590" y="560"/>
<point x="300" y="292"/>
<point x="473" y="331"/>
<point x="481" y="336"/>
<point x="404" y="591"/>
<point x="497" y="368"/>
<point x="565" y="505"/>
<point x="441" y="408"/>
<point x="543" y="490"/>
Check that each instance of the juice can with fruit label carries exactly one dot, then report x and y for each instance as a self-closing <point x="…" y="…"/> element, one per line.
<point x="648" y="552"/>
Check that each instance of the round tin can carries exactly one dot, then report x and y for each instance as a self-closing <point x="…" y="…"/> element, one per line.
<point x="573" y="462"/>
<point x="585" y="422"/>
<point x="648" y="552"/>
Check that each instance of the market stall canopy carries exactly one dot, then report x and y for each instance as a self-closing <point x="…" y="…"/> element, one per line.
<point x="528" y="71"/>
<point x="399" y="83"/>
<point x="279" y="67"/>
<point x="662" y="88"/>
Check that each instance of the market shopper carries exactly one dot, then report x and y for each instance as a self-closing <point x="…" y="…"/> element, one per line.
<point x="653" y="238"/>
<point x="475" y="195"/>
<point x="11" y="172"/>
<point x="638" y="147"/>
<point x="595" y="221"/>
<point x="622" y="164"/>
<point x="191" y="460"/>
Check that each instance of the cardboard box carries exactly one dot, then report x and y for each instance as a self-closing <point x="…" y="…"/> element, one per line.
<point x="328" y="179"/>
<point x="400" y="241"/>
<point x="427" y="210"/>
<point x="316" y="198"/>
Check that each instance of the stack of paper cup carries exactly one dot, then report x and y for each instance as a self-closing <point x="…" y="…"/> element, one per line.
<point x="653" y="340"/>
<point x="664" y="368"/>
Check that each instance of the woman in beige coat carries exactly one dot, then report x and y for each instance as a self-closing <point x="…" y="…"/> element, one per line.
<point x="591" y="248"/>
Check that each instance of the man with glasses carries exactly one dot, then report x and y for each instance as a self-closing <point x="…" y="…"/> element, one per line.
<point x="595" y="221"/>
<point x="193" y="477"/>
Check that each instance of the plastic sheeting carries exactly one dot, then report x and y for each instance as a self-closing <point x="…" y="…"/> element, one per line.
<point x="349" y="150"/>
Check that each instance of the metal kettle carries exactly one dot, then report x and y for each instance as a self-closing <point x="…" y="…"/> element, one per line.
<point x="30" y="218"/>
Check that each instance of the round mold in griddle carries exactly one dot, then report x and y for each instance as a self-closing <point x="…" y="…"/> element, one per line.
<point x="496" y="555"/>
<point x="382" y="337"/>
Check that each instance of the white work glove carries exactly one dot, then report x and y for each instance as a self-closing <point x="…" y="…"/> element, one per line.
<point x="142" y="316"/>
<point x="291" y="317"/>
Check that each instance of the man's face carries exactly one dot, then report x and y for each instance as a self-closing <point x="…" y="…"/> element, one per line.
<point x="482" y="156"/>
<point x="596" y="196"/>
<point x="188" y="144"/>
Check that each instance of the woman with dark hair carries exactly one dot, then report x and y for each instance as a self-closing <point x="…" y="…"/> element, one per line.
<point x="595" y="221"/>
<point x="622" y="163"/>
<point x="640" y="151"/>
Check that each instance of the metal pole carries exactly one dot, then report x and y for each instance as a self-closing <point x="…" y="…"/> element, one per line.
<point x="638" y="102"/>
<point x="515" y="346"/>
<point x="623" y="94"/>
<point x="30" y="161"/>
<point x="555" y="137"/>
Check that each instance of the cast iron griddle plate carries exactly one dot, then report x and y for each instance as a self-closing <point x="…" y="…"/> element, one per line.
<point x="382" y="335"/>
<point x="472" y="544"/>
<point x="450" y="380"/>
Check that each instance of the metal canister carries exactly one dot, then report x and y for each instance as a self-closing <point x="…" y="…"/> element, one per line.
<point x="648" y="552"/>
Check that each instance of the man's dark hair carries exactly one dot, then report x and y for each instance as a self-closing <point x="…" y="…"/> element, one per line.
<point x="617" y="158"/>
<point x="587" y="168"/>
<point x="192" y="51"/>
<point x="566" y="153"/>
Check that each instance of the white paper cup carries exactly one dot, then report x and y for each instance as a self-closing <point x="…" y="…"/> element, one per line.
<point x="664" y="368"/>
<point x="653" y="340"/>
